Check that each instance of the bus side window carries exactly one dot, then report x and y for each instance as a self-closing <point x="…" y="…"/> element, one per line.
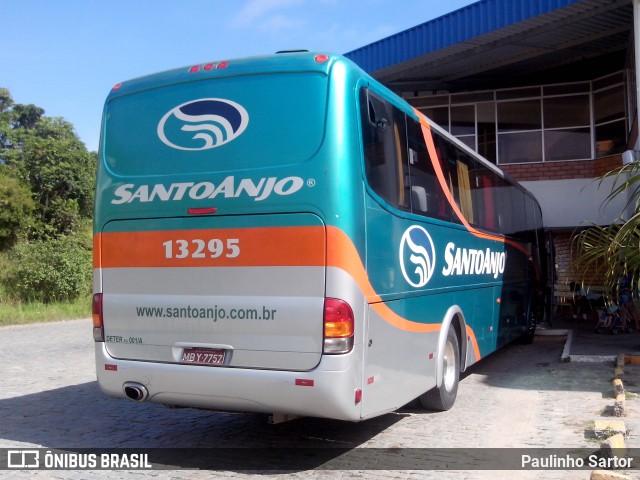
<point x="486" y="182"/>
<point x="385" y="150"/>
<point x="427" y="197"/>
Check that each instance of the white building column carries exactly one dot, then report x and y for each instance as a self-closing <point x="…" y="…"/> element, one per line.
<point x="636" y="43"/>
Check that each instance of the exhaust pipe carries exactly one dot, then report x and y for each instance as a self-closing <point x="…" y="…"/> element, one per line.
<point x="135" y="391"/>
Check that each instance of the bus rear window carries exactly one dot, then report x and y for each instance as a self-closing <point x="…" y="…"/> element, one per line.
<point x="216" y="125"/>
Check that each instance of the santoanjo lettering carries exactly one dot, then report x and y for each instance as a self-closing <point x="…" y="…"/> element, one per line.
<point x="468" y="261"/>
<point x="229" y="188"/>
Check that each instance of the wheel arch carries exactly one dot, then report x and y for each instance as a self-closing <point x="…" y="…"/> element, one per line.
<point x="454" y="317"/>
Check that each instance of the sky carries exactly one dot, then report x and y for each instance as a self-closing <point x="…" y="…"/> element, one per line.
<point x="65" y="55"/>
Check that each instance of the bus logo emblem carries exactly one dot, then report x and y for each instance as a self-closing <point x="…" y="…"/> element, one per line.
<point x="417" y="256"/>
<point x="202" y="124"/>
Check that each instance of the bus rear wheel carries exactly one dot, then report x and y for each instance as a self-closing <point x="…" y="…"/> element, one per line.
<point x="442" y="398"/>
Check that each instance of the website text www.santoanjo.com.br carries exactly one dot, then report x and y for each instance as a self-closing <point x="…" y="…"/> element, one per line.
<point x="210" y="313"/>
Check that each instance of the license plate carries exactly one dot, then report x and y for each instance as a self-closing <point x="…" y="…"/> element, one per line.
<point x="203" y="356"/>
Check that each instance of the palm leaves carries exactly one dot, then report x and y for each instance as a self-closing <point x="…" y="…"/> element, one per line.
<point x="615" y="249"/>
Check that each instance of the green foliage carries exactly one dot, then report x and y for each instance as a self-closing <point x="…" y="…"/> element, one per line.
<point x="5" y="100"/>
<point x="46" y="155"/>
<point x="615" y="249"/>
<point x="60" y="172"/>
<point x="16" y="207"/>
<point x="46" y="205"/>
<point x="50" y="270"/>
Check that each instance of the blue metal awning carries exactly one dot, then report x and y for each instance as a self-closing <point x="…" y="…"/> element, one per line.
<point x="498" y="36"/>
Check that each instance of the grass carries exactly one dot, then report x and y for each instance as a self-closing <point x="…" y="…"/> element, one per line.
<point x="21" y="313"/>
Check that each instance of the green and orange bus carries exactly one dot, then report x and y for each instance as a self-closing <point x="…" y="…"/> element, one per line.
<point x="283" y="234"/>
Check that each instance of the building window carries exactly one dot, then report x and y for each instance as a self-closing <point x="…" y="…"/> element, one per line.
<point x="486" y="126"/>
<point x="609" y="115"/>
<point x="439" y="115"/>
<point x="463" y="124"/>
<point x="549" y="123"/>
<point x="567" y="127"/>
<point x="519" y="131"/>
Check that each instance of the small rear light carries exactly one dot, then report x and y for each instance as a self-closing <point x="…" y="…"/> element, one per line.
<point x="338" y="326"/>
<point x="304" y="382"/>
<point x="222" y="65"/>
<point x="321" y="58"/>
<point x="202" y="210"/>
<point x="96" y="310"/>
<point x="117" y="86"/>
<point x="209" y="66"/>
<point x="194" y="69"/>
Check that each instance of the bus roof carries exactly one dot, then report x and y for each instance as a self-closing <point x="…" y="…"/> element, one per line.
<point x="280" y="62"/>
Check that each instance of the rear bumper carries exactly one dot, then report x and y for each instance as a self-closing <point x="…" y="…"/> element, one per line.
<point x="326" y="391"/>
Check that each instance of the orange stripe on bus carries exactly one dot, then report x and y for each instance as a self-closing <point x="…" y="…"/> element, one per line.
<point x="474" y="342"/>
<point x="431" y="148"/>
<point x="257" y="247"/>
<point x="342" y="254"/>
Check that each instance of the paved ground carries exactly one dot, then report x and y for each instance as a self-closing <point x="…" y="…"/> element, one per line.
<point x="521" y="396"/>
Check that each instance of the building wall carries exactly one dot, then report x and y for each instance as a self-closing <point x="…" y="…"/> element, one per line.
<point x="566" y="269"/>
<point x="563" y="170"/>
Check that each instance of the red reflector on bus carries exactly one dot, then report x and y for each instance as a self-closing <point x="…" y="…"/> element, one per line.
<point x="112" y="368"/>
<point x="222" y="65"/>
<point x="209" y="66"/>
<point x="117" y="86"/>
<point x="358" y="396"/>
<point x="304" y="382"/>
<point x="321" y="58"/>
<point x="202" y="210"/>
<point x="194" y="69"/>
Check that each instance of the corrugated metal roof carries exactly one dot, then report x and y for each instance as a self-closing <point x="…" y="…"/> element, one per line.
<point x="498" y="36"/>
<point x="464" y="24"/>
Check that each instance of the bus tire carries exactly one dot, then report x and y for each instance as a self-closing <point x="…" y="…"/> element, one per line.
<point x="442" y="398"/>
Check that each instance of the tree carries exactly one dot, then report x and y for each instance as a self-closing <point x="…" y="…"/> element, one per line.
<point x="5" y="128"/>
<point x="26" y="116"/>
<point x="16" y="206"/>
<point x="5" y="100"/>
<point x="46" y="155"/>
<point x="60" y="172"/>
<point x="46" y="202"/>
<point x="615" y="249"/>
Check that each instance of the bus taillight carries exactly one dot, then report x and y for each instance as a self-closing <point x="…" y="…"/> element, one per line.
<point x="338" y="326"/>
<point x="98" y="327"/>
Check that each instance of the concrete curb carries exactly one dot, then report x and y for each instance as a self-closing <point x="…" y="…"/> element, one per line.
<point x="608" y="475"/>
<point x="613" y="432"/>
<point x="591" y="358"/>
<point x="550" y="332"/>
<point x="566" y="352"/>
